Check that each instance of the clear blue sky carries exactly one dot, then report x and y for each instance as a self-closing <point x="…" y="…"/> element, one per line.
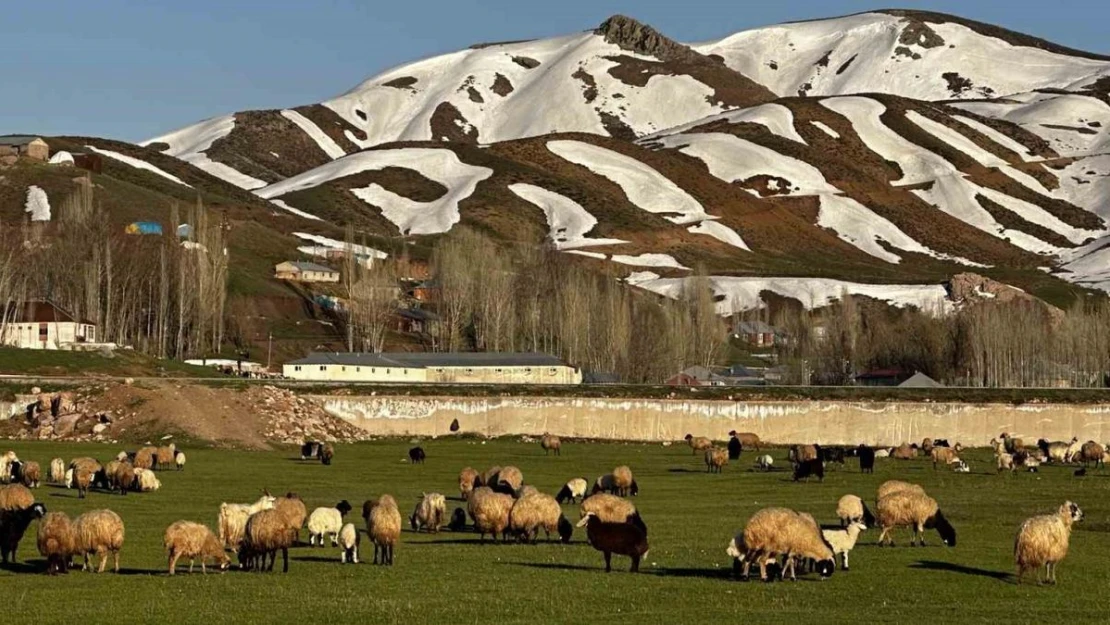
<point x="132" y="69"/>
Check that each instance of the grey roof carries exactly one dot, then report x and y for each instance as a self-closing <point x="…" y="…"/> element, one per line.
<point x="698" y="372"/>
<point x="920" y="380"/>
<point x="423" y="360"/>
<point x="306" y="266"/>
<point x="17" y="139"/>
<point x="755" y="327"/>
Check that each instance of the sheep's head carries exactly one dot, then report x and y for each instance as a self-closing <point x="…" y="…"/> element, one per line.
<point x="586" y="519"/>
<point x="38" y="511"/>
<point x="566" y="530"/>
<point x="857" y="527"/>
<point x="1072" y="511"/>
<point x="825" y="568"/>
<point x="343" y="507"/>
<point x="688" y="437"/>
<point x="944" y="528"/>
<point x="634" y="489"/>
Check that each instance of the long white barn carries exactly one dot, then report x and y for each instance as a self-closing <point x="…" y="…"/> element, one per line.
<point x="430" y="367"/>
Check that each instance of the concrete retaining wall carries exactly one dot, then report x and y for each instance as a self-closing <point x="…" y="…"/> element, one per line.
<point x="825" y="422"/>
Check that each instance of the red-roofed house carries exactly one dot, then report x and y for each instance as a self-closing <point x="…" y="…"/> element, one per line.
<point x="39" y="324"/>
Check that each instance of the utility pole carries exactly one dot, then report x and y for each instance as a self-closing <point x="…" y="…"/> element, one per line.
<point x="269" y="348"/>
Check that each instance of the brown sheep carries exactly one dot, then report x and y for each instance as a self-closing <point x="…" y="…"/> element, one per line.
<point x="715" y="459"/>
<point x="293" y="510"/>
<point x="803" y="453"/>
<point x="99" y="532"/>
<point x="185" y="539"/>
<point x="144" y="458"/>
<point x="121" y="477"/>
<point x="699" y="443"/>
<point x="943" y="455"/>
<point x="468" y="479"/>
<point x="611" y="509"/>
<point x="490" y="512"/>
<point x="537" y="511"/>
<point x="56" y="542"/>
<point x="268" y="532"/>
<point x="892" y="486"/>
<point x="383" y="526"/>
<point x="327" y="453"/>
<point x="509" y="481"/>
<point x="163" y="456"/>
<point x="1088" y="453"/>
<point x="619" y="538"/>
<point x="927" y="446"/>
<point x="774" y="532"/>
<point x="747" y="439"/>
<point x="905" y="451"/>
<point x="1043" y="540"/>
<point x="551" y="443"/>
<point x="31" y="474"/>
<point x="906" y="508"/>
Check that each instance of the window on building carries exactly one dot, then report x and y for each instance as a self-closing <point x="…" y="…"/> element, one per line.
<point x="324" y="368"/>
<point x="297" y="368"/>
<point x="387" y="371"/>
<point x="439" y="370"/>
<point x="528" y="371"/>
<point x="499" y="370"/>
<point x="469" y="371"/>
<point x="344" y="368"/>
<point x="44" y="330"/>
<point x="358" y="369"/>
<point x="551" y="371"/>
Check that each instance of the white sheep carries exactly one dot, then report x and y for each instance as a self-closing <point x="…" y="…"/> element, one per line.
<point x="348" y="542"/>
<point x="765" y="462"/>
<point x="324" y="521"/>
<point x="1043" y="540"/>
<point x="843" y="539"/>
<point x="232" y="520"/>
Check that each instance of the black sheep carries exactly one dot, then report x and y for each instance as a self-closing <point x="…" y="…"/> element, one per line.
<point x="454" y="425"/>
<point x="623" y="539"/>
<point x="832" y="454"/>
<point x="416" y="455"/>
<point x="310" y="450"/>
<point x="866" y="459"/>
<point x="803" y="470"/>
<point x="13" y="524"/>
<point x="735" y="447"/>
<point x="458" y="520"/>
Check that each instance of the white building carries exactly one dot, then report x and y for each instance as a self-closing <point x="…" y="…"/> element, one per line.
<point x="40" y="324"/>
<point x="305" y="272"/>
<point x="429" y="367"/>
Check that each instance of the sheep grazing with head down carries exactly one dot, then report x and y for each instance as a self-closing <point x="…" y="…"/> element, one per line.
<point x="765" y="462"/>
<point x="851" y="508"/>
<point x="775" y="532"/>
<point x="490" y="512"/>
<point x="430" y="513"/>
<point x="179" y="459"/>
<point x="348" y="542"/>
<point x="56" y="542"/>
<point x="86" y="471"/>
<point x="163" y="458"/>
<point x="30" y="474"/>
<point x="509" y="481"/>
<point x="620" y="538"/>
<point x="698" y="443"/>
<point x="99" y="532"/>
<point x="185" y="539"/>
<point x="573" y="491"/>
<point x="121" y="476"/>
<point x="144" y="458"/>
<point x="17" y="510"/>
<point x="1088" y="453"/>
<point x="618" y="482"/>
<point x="715" y="459"/>
<point x="325" y="521"/>
<point x="537" y="511"/>
<point x="383" y="526"/>
<point x="147" y="481"/>
<point x="612" y="509"/>
<point x="906" y="508"/>
<point x="231" y="523"/>
<point x="468" y="480"/>
<point x="489" y="477"/>
<point x="843" y="539"/>
<point x="748" y="440"/>
<point x="1055" y="451"/>
<point x="327" y="453"/>
<point x="943" y="455"/>
<point x="293" y="509"/>
<point x="893" y="486"/>
<point x="267" y="532"/>
<point x="417" y="455"/>
<point x="1043" y="541"/>
<point x="57" y="471"/>
<point x="551" y="443"/>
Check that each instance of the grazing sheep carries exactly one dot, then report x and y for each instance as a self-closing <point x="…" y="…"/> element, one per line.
<point x="468" y="480"/>
<point x="327" y="453"/>
<point x="537" y="511"/>
<point x="619" y="482"/>
<point x="551" y="443"/>
<point x="1012" y="445"/>
<point x="121" y="476"/>
<point x="774" y="532"/>
<point x="612" y="509"/>
<point x="458" y="520"/>
<point x="417" y="455"/>
<point x="490" y="512"/>
<point x="735" y="448"/>
<point x="509" y="481"/>
<point x="943" y="455"/>
<point x="6" y="462"/>
<point x="85" y="472"/>
<point x="1055" y="451"/>
<point x="147" y="480"/>
<point x="806" y="468"/>
<point x="765" y="462"/>
<point x="31" y="473"/>
<point x="348" y="542"/>
<point x="179" y="459"/>
<point x="699" y="443"/>
<point x="293" y="509"/>
<point x="324" y="521"/>
<point x="866" y="459"/>
<point x="99" y="532"/>
<point x="905" y="451"/>
<point x="619" y="538"/>
<point x="144" y="458"/>
<point x="430" y="513"/>
<point x="1004" y="461"/>
<point x="310" y="450"/>
<point x="893" y="486"/>
<point x="843" y="539"/>
<point x="746" y="439"/>
<point x="489" y="478"/>
<point x="124" y="456"/>
<point x="163" y="458"/>
<point x="267" y="532"/>
<point x="833" y="455"/>
<point x="56" y="542"/>
<point x="851" y="508"/>
<point x="1043" y="540"/>
<point x="906" y="508"/>
<point x="17" y="510"/>
<point x="383" y="526"/>
<point x="231" y="523"/>
<point x="573" y="491"/>
<point x="57" y="471"/>
<point x="927" y="446"/>
<point x="1090" y="452"/>
<point x="715" y="459"/>
<point x="185" y="539"/>
<point x="802" y="453"/>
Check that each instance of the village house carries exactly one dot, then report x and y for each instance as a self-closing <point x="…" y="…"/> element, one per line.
<point x="414" y="321"/>
<point x="40" y="324"/>
<point x="433" y="368"/>
<point x="305" y="272"/>
<point x="756" y="333"/>
<point x="26" y="146"/>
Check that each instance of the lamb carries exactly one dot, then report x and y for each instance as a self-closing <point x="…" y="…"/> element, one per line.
<point x="147" y="481"/>
<point x="325" y="521"/>
<point x="537" y="511"/>
<point x="843" y="539"/>
<point x="773" y="532"/>
<point x="293" y="509"/>
<point x="619" y="538"/>
<point x="185" y="539"/>
<point x="1090" y="452"/>
<point x="348" y="542"/>
<point x="179" y="459"/>
<point x="458" y="520"/>
<point x="814" y="466"/>
<point x="231" y="523"/>
<point x="765" y="462"/>
<point x="430" y="513"/>
<point x="904" y="451"/>
<point x="715" y="459"/>
<point x="99" y="532"/>
<point x="31" y="474"/>
<point x="612" y="509"/>
<point x="144" y="458"/>
<point x="573" y="491"/>
<point x="509" y="481"/>
<point x="1043" y="540"/>
<point x="17" y="510"/>
<point x="866" y="459"/>
<point x="383" y="526"/>
<point x="1054" y="452"/>
<point x="267" y="532"/>
<point x="851" y="508"/>
<point x="551" y="443"/>
<point x="56" y="541"/>
<point x="468" y="479"/>
<point x="490" y="512"/>
<point x="943" y="455"/>
<point x="57" y="471"/>
<point x="893" y="486"/>
<point x="906" y="508"/>
<point x="327" y="453"/>
<point x="417" y="455"/>
<point x="699" y="443"/>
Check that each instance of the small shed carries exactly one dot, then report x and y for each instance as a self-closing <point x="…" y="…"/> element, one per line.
<point x="28" y="146"/>
<point x="305" y="272"/>
<point x="920" y="380"/>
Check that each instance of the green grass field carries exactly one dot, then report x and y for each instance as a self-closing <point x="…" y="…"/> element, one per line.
<point x="691" y="515"/>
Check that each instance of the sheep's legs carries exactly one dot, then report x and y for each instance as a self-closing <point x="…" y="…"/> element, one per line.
<point x="885" y="535"/>
<point x="608" y="557"/>
<point x="103" y="562"/>
<point x="115" y="562"/>
<point x="844" y="562"/>
<point x="635" y="564"/>
<point x="173" y="562"/>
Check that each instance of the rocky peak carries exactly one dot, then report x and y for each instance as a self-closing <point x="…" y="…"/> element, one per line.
<point x="635" y="36"/>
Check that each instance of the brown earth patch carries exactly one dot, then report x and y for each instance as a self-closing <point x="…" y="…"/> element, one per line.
<point x="247" y="148"/>
<point x="502" y="86"/>
<point x="333" y="126"/>
<point x="404" y="82"/>
<point x="448" y="124"/>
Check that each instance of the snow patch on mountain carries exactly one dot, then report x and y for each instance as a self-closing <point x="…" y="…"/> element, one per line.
<point x="721" y="232"/>
<point x="37" y="204"/>
<point x="326" y="143"/>
<point x="296" y="211"/>
<point x="568" y="221"/>
<point x="998" y="138"/>
<point x="138" y="164"/>
<point x="189" y="144"/>
<point x="358" y="250"/>
<point x="778" y="119"/>
<point x="1074" y="125"/>
<point x="825" y="129"/>
<point x="861" y="227"/>
<point x="648" y="260"/>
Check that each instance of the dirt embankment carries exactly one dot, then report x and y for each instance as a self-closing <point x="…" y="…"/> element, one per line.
<point x="253" y="418"/>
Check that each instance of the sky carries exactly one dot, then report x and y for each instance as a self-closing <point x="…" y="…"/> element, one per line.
<point x="134" y="69"/>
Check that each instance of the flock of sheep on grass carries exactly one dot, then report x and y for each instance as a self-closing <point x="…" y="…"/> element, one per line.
<point x="500" y="504"/>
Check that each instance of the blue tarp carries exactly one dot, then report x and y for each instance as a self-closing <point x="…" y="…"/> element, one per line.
<point x="144" y="227"/>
